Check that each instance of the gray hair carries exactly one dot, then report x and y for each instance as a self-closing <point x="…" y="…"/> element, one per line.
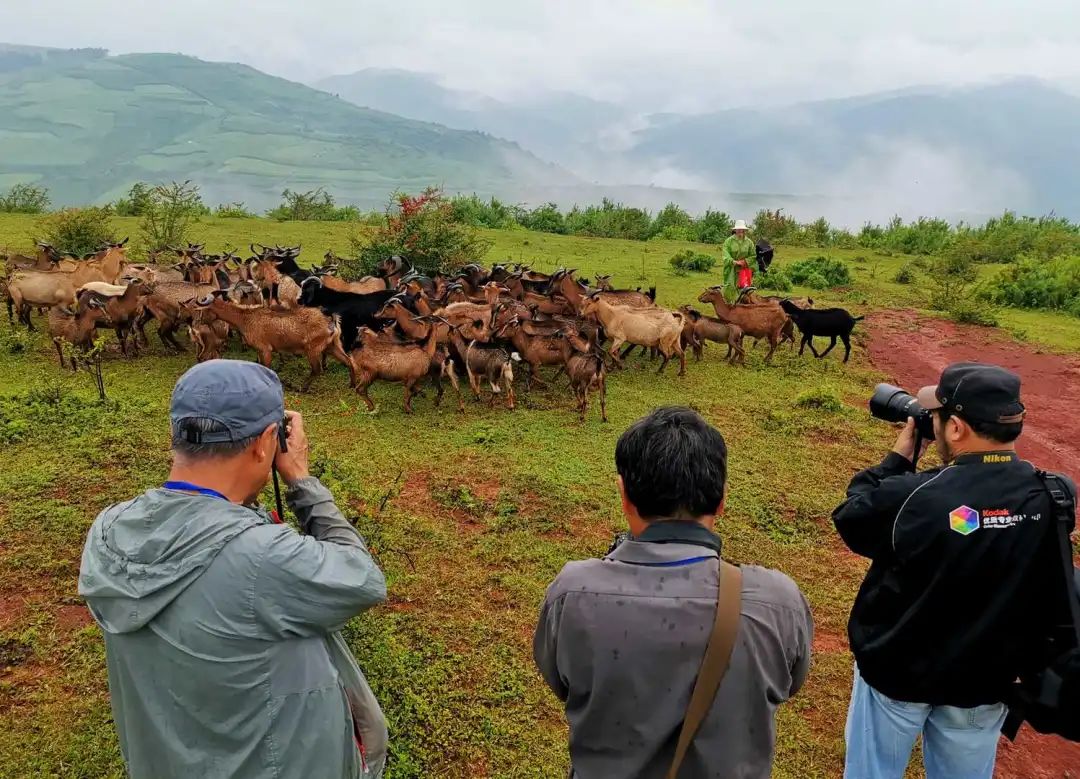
<point x="205" y="451"/>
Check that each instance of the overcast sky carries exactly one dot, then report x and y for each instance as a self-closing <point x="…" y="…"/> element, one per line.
<point x="664" y="54"/>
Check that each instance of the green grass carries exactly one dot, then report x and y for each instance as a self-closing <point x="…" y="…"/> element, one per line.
<point x="470" y="515"/>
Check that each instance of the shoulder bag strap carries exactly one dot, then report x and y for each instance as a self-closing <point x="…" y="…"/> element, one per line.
<point x="1064" y="517"/>
<point x="715" y="663"/>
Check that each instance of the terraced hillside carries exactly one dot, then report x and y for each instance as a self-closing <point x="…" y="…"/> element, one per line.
<point x="90" y="128"/>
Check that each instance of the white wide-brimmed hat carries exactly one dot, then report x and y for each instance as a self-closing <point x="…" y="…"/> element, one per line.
<point x="740" y="224"/>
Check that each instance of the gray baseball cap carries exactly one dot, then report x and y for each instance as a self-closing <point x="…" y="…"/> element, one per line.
<point x="243" y="396"/>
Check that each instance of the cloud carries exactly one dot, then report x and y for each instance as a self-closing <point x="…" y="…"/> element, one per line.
<point x="670" y="55"/>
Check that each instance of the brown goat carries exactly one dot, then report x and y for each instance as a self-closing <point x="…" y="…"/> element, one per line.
<point x="654" y="327"/>
<point x="165" y="304"/>
<point x="209" y="339"/>
<point x="585" y="367"/>
<point x="377" y="357"/>
<point x="122" y="311"/>
<point x="305" y="331"/>
<point x="757" y="320"/>
<point x="537" y="345"/>
<point x="698" y="328"/>
<point x="77" y="329"/>
<point x="486" y="361"/>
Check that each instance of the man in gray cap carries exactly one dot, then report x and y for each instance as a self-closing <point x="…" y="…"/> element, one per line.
<point x="221" y="625"/>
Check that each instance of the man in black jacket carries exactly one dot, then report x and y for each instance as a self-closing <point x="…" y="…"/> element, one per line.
<point x="962" y="587"/>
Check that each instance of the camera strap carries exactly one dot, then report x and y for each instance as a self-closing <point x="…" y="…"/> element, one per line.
<point x="715" y="663"/>
<point x="1064" y="511"/>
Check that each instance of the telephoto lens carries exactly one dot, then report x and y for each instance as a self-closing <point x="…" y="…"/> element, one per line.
<point x="892" y="404"/>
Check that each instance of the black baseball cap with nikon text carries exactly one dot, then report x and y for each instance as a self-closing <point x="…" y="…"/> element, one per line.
<point x="976" y="391"/>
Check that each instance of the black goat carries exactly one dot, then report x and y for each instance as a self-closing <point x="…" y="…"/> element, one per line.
<point x="822" y="322"/>
<point x="355" y="310"/>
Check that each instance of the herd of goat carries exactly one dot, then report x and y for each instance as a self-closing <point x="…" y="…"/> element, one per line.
<point x="397" y="325"/>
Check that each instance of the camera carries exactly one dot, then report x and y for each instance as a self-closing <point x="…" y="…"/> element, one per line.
<point x="892" y="404"/>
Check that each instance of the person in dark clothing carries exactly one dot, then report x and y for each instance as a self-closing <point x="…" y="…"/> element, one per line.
<point x="961" y="590"/>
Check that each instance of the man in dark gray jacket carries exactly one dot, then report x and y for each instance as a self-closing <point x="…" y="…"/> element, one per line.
<point x="221" y="625"/>
<point x="620" y="640"/>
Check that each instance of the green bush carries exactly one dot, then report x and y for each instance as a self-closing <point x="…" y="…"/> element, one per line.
<point x="777" y="227"/>
<point x="824" y="397"/>
<point x="1048" y="284"/>
<point x="77" y="231"/>
<point x="546" y="218"/>
<point x="235" y="210"/>
<point x="712" y="227"/>
<point x="315" y="205"/>
<point x="609" y="220"/>
<point x="138" y="201"/>
<point x="169" y="214"/>
<point x="774" y="279"/>
<point x="471" y="210"/>
<point x="906" y="275"/>
<point x="972" y="313"/>
<point x="691" y="261"/>
<point x="423" y="231"/>
<point x="25" y="199"/>
<point x="950" y="279"/>
<point x="672" y="223"/>
<point x="820" y="273"/>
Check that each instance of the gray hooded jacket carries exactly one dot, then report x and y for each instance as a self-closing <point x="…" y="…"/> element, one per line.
<point x="221" y="637"/>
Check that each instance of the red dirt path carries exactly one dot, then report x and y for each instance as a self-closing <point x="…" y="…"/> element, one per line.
<point x="912" y="350"/>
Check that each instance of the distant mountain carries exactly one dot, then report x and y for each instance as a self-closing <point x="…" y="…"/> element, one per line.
<point x="1009" y="145"/>
<point x="89" y="126"/>
<point x="555" y="125"/>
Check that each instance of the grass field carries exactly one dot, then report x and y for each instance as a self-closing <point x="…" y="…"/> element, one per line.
<point x="470" y="515"/>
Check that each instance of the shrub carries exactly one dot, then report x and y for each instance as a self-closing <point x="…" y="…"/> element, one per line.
<point x="689" y="260"/>
<point x="138" y="201"/>
<point x="471" y="210"/>
<point x="77" y="231"/>
<point x="423" y="231"/>
<point x="672" y="223"/>
<point x="713" y="227"/>
<point x="906" y="275"/>
<point x="171" y="210"/>
<point x="950" y="277"/>
<point x="777" y="227"/>
<point x="817" y="233"/>
<point x="315" y="205"/>
<point x="1049" y="284"/>
<point x="774" y="279"/>
<point x="25" y="199"/>
<point x="235" y="210"/>
<point x="609" y="220"/>
<point x="820" y="272"/>
<point x="546" y="218"/>
<point x="824" y="397"/>
<point x="972" y="313"/>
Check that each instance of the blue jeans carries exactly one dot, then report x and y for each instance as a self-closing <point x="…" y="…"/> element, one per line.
<point x="880" y="734"/>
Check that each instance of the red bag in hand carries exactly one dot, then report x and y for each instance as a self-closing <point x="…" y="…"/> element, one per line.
<point x="744" y="275"/>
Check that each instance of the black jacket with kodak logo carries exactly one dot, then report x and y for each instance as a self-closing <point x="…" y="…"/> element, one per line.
<point x="964" y="583"/>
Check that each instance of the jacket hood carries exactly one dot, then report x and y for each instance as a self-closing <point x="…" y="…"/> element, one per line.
<point x="141" y="554"/>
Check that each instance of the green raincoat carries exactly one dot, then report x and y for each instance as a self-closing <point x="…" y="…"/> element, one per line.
<point x="221" y="637"/>
<point x="736" y="249"/>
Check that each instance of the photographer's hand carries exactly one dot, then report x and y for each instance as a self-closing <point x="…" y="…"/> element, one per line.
<point x="293" y="464"/>
<point x="905" y="442"/>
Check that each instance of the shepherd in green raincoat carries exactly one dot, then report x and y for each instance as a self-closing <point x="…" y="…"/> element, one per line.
<point x="221" y="624"/>
<point x="739" y="255"/>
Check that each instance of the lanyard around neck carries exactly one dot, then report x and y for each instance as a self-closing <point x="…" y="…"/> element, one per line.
<point x="186" y="486"/>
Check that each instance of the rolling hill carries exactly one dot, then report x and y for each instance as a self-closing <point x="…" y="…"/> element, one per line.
<point x="87" y="129"/>
<point x="559" y="126"/>
<point x="1014" y="144"/>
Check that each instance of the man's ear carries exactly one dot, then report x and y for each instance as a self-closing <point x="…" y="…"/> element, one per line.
<point x="266" y="445"/>
<point x="723" y="500"/>
<point x="629" y="509"/>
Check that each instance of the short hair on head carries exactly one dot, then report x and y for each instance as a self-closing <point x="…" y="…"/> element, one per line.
<point x="205" y="451"/>
<point x="673" y="464"/>
<point x="1000" y="432"/>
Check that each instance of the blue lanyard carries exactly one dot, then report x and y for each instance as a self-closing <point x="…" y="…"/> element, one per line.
<point x="186" y="486"/>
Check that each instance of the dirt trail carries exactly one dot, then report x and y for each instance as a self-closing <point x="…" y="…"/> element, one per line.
<point x="912" y="350"/>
